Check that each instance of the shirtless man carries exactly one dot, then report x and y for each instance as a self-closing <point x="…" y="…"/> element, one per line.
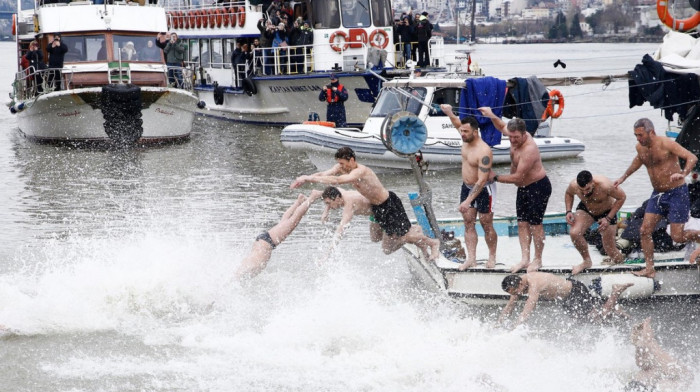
<point x="600" y="202"/>
<point x="573" y="295"/>
<point x="352" y="203"/>
<point x="477" y="192"/>
<point x="670" y="198"/>
<point x="267" y="241"/>
<point x="387" y="208"/>
<point x="534" y="188"/>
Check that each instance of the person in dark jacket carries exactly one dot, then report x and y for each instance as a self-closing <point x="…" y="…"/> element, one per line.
<point x="424" y="30"/>
<point x="57" y="50"/>
<point x="335" y="94"/>
<point x="35" y="62"/>
<point x="403" y="29"/>
<point x="175" y="57"/>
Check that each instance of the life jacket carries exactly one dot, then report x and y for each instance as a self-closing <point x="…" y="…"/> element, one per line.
<point x="329" y="94"/>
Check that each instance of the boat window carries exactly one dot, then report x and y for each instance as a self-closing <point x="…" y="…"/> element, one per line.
<point x="391" y="101"/>
<point x="194" y="50"/>
<point x="355" y="13"/>
<point x="326" y="14"/>
<point x="135" y="48"/>
<point x="84" y="48"/>
<point x="382" y="15"/>
<point x="205" y="57"/>
<point x="448" y="96"/>
<point x="228" y="47"/>
<point x="216" y="54"/>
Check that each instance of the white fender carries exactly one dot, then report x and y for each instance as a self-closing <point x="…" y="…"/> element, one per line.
<point x="642" y="288"/>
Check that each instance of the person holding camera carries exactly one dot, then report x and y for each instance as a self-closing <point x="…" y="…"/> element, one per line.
<point x="57" y="51"/>
<point x="175" y="59"/>
<point x="424" y="30"/>
<point x="335" y="94"/>
<point x="403" y="29"/>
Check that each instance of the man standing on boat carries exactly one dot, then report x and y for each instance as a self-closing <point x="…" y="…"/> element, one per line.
<point x="57" y="51"/>
<point x="335" y="94"/>
<point x="175" y="58"/>
<point x="670" y="197"/>
<point x="600" y="202"/>
<point x="477" y="191"/>
<point x="387" y="208"/>
<point x="534" y="188"/>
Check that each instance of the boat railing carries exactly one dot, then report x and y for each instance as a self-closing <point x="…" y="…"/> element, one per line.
<point x="229" y="7"/>
<point x="31" y="82"/>
<point x="181" y="77"/>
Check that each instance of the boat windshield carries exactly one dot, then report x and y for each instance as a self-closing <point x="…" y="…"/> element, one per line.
<point x="382" y="15"/>
<point x="391" y="101"/>
<point x="135" y="48"/>
<point x="355" y="13"/>
<point x="326" y="14"/>
<point x="85" y="48"/>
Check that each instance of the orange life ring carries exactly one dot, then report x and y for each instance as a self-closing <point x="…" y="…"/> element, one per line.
<point x="382" y="33"/>
<point x="192" y="16"/>
<point x="322" y="123"/>
<point x="203" y="18"/>
<point x="241" y="16"/>
<point x="670" y="21"/>
<point x="184" y="20"/>
<point x="554" y="95"/>
<point x="336" y="46"/>
<point x="219" y="13"/>
<point x="211" y="16"/>
<point x="14" y="24"/>
<point x="173" y="20"/>
<point x="231" y="12"/>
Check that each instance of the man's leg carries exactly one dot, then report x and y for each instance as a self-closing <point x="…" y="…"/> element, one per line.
<point x="582" y="221"/>
<point x="375" y="232"/>
<point x="538" y="240"/>
<point x="490" y="236"/>
<point x="470" y="238"/>
<point x="416" y="237"/>
<point x="648" y="225"/>
<point x="609" y="245"/>
<point x="611" y="303"/>
<point x="290" y="219"/>
<point x="255" y="262"/>
<point x="524" y="237"/>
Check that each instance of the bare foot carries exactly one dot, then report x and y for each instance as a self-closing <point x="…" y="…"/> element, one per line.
<point x="314" y="195"/>
<point x="534" y="266"/>
<point x="519" y="266"/>
<point x="611" y="261"/>
<point x="646" y="273"/>
<point x="583" y="266"/>
<point x="467" y="264"/>
<point x="620" y="287"/>
<point x="492" y="262"/>
<point x="434" y="249"/>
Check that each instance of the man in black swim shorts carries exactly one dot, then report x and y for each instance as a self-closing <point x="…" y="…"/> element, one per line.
<point x="573" y="295"/>
<point x="534" y="188"/>
<point x="600" y="202"/>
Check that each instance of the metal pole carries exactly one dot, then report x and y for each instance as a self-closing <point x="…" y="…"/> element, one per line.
<point x="425" y="198"/>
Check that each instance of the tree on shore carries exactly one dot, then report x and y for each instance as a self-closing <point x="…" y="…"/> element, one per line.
<point x="575" y="29"/>
<point x="559" y="29"/>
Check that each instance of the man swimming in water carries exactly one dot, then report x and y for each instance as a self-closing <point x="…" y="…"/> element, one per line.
<point x="670" y="197"/>
<point x="267" y="241"/>
<point x="534" y="188"/>
<point x="600" y="202"/>
<point x="387" y="208"/>
<point x="573" y="295"/>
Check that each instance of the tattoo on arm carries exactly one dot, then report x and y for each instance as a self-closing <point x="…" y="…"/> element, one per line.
<point x="485" y="161"/>
<point x="484" y="169"/>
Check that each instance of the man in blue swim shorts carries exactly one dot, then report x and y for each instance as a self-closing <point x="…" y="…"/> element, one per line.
<point x="670" y="198"/>
<point x="534" y="188"/>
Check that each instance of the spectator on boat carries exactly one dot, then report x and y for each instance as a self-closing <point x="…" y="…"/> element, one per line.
<point x="573" y="296"/>
<point x="280" y="43"/>
<point x="129" y="52"/>
<point x="659" y="370"/>
<point x="57" y="51"/>
<point x="478" y="193"/>
<point x="150" y="52"/>
<point x="102" y="53"/>
<point x="387" y="208"/>
<point x="414" y="37"/>
<point x="599" y="203"/>
<point x="403" y="29"/>
<point x="162" y="40"/>
<point x="267" y="241"/>
<point x="670" y="197"/>
<point x="424" y="30"/>
<point x="267" y="30"/>
<point x="352" y="203"/>
<point x="534" y="187"/>
<point x="175" y="59"/>
<point x="238" y="61"/>
<point x="302" y="36"/>
<point x="335" y="94"/>
<point x="35" y="63"/>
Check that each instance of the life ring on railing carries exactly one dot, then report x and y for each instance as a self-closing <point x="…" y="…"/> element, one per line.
<point x="211" y="15"/>
<point x="383" y="34"/>
<point x="554" y="95"/>
<point x="192" y="18"/>
<point x="670" y="21"/>
<point x="322" y="123"/>
<point x="203" y="18"/>
<point x="231" y="12"/>
<point x="337" y="46"/>
<point x="219" y="15"/>
<point x="14" y="24"/>
<point x="241" y="16"/>
<point x="172" y="20"/>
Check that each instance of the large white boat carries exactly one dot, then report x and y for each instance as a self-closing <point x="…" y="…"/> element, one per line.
<point x="113" y="86"/>
<point x="441" y="150"/>
<point x="280" y="85"/>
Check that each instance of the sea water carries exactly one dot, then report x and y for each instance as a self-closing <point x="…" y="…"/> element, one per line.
<point x="116" y="266"/>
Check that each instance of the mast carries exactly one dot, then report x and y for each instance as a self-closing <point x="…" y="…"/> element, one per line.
<point x="473" y="25"/>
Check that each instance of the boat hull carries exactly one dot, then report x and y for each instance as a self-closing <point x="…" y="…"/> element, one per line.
<point x="75" y="116"/>
<point x="320" y="144"/>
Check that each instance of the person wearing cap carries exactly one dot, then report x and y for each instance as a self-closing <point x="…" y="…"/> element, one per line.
<point x="424" y="30"/>
<point x="403" y="29"/>
<point x="335" y="94"/>
<point x="57" y="50"/>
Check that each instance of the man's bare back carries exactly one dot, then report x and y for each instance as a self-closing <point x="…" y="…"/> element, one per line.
<point x="362" y="178"/>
